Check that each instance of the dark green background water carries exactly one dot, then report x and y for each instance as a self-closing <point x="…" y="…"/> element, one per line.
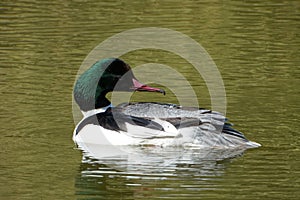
<point x="255" y="45"/>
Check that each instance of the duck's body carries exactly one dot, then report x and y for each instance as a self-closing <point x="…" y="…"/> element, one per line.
<point x="145" y="123"/>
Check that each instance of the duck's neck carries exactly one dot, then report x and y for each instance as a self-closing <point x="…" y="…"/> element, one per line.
<point x="95" y="111"/>
<point x="102" y="101"/>
<point x="101" y="104"/>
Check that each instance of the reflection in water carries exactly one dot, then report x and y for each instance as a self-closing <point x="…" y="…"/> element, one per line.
<point x="111" y="171"/>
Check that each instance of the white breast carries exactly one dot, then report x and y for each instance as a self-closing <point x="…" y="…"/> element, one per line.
<point x="95" y="134"/>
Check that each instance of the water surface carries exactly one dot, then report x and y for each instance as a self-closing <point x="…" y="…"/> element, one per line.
<point x="255" y="46"/>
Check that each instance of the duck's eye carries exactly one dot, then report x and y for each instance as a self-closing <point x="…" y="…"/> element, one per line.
<point x="117" y="78"/>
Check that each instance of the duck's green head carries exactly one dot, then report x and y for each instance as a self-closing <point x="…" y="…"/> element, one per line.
<point x="111" y="74"/>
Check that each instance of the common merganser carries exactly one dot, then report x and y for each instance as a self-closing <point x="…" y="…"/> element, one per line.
<point x="144" y="123"/>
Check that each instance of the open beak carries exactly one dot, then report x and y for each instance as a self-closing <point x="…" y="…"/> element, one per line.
<point x="137" y="86"/>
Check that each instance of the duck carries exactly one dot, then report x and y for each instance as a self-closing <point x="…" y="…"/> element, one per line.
<point x="144" y="123"/>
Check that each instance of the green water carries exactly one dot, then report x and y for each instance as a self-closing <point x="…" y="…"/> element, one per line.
<point x="255" y="45"/>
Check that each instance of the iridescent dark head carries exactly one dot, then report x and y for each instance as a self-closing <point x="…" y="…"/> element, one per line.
<point x="92" y="86"/>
